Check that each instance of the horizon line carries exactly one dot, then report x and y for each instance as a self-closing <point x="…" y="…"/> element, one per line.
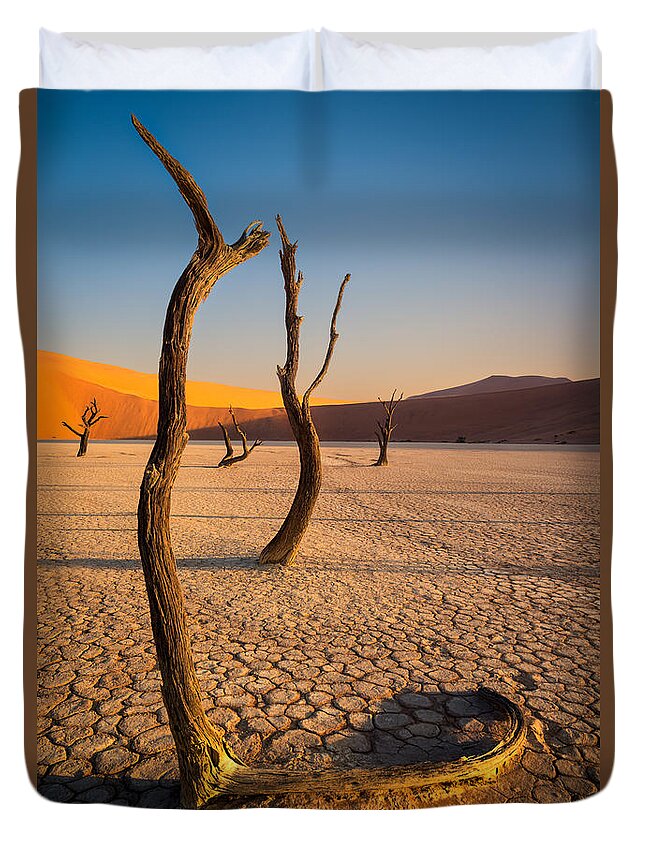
<point x="327" y="402"/>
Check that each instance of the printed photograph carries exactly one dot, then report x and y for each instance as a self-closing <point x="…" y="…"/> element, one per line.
<point x="318" y="468"/>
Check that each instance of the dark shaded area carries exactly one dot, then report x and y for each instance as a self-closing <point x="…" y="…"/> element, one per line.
<point x="409" y="728"/>
<point x="244" y="564"/>
<point x="560" y="413"/>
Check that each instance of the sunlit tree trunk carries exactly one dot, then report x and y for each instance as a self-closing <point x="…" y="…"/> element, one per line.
<point x="201" y="750"/>
<point x="283" y="548"/>
<point x="227" y="444"/>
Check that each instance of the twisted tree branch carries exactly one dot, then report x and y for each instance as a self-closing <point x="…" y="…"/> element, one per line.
<point x="201" y="749"/>
<point x="227" y="442"/>
<point x="75" y="431"/>
<point x="333" y="337"/>
<point x="210" y="237"/>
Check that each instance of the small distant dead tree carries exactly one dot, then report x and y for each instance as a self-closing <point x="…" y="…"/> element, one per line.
<point x="284" y="545"/>
<point x="90" y="416"/>
<point x="385" y="428"/>
<point x="229" y="458"/>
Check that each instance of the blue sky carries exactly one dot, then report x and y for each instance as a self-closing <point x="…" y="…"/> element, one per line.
<point x="469" y="222"/>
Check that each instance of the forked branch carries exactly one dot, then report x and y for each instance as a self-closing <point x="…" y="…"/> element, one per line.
<point x="333" y="337"/>
<point x="71" y="428"/>
<point x="91" y="414"/>
<point x="229" y="459"/>
<point x="217" y="257"/>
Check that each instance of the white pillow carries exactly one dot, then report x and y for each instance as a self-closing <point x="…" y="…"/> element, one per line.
<point x="566" y="62"/>
<point x="286" y="62"/>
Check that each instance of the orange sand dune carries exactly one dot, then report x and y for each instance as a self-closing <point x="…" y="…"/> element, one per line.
<point x="66" y="384"/>
<point x="565" y="412"/>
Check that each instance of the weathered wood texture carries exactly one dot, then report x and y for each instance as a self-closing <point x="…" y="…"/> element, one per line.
<point x="227" y="443"/>
<point x="201" y="750"/>
<point x="436" y="778"/>
<point x="385" y="428"/>
<point x="283" y="548"/>
<point x="89" y="418"/>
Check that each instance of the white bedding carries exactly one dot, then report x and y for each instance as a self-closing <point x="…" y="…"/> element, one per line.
<point x="567" y="62"/>
<point x="291" y="62"/>
<point x="279" y="63"/>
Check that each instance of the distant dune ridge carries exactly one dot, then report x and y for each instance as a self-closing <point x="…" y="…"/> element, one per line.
<point x="494" y="383"/>
<point x="513" y="409"/>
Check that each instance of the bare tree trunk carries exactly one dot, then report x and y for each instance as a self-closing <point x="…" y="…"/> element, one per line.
<point x="201" y="750"/>
<point x="85" y="437"/>
<point x="207" y="765"/>
<point x="283" y="548"/>
<point x="227" y="443"/>
<point x="385" y="428"/>
<point x="90" y="416"/>
<point x="229" y="459"/>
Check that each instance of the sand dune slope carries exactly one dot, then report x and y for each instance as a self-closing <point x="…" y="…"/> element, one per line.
<point x="65" y="385"/>
<point x="493" y="384"/>
<point x="568" y="412"/>
<point x="563" y="412"/>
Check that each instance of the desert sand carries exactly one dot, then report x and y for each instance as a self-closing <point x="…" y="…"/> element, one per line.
<point x="558" y="412"/>
<point x="66" y="385"/>
<point x="417" y="583"/>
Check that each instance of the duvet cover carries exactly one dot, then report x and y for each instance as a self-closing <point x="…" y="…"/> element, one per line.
<point x="378" y="576"/>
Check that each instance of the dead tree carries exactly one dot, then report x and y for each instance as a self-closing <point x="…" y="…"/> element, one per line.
<point x="284" y="545"/>
<point x="208" y="766"/>
<point x="229" y="458"/>
<point x="227" y="442"/>
<point x="202" y="753"/>
<point x="90" y="416"/>
<point x="385" y="428"/>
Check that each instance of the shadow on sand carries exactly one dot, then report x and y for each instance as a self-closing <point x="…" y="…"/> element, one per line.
<point x="406" y="729"/>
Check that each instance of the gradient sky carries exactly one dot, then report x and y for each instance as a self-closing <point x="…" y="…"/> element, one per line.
<point x="469" y="222"/>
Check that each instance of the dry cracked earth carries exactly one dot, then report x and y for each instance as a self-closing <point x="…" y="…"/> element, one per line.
<point x="417" y="583"/>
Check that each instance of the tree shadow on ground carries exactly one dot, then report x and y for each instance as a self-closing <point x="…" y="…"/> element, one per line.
<point x="237" y="563"/>
<point x="408" y="728"/>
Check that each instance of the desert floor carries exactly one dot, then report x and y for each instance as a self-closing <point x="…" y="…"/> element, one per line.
<point x="452" y="568"/>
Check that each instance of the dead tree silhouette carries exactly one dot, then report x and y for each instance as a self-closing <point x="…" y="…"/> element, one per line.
<point x="229" y="458"/>
<point x="385" y="428"/>
<point x="208" y="766"/>
<point x="89" y="418"/>
<point x="283" y="548"/>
